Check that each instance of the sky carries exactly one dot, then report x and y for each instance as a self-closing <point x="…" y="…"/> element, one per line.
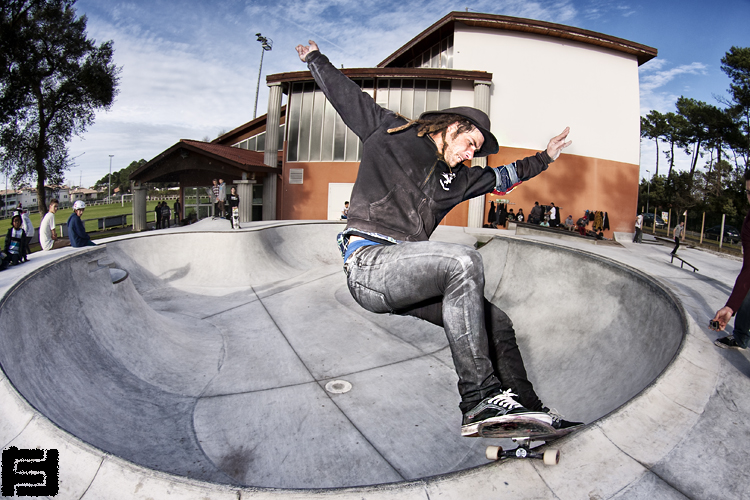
<point x="189" y="69"/>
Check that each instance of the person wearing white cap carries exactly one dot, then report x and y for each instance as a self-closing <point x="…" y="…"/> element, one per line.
<point x="76" y="230"/>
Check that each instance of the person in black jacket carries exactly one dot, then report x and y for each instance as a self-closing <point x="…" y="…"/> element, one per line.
<point x="233" y="200"/>
<point x="411" y="175"/>
<point x="177" y="212"/>
<point x="15" y="243"/>
<point x="535" y="216"/>
<point x="501" y="216"/>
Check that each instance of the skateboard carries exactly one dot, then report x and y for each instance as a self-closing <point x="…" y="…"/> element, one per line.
<point x="523" y="431"/>
<point x="236" y="218"/>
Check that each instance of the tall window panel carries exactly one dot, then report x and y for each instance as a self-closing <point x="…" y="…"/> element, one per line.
<point x="258" y="141"/>
<point x="439" y="55"/>
<point x="412" y="97"/>
<point x="317" y="132"/>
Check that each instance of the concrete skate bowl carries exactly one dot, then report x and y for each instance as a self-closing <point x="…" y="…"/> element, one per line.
<point x="211" y="360"/>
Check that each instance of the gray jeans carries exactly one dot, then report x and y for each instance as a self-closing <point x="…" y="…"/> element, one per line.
<point x="443" y="283"/>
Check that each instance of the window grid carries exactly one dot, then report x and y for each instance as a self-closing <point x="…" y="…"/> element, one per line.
<point x="258" y="141"/>
<point x="317" y="132"/>
<point x="439" y="55"/>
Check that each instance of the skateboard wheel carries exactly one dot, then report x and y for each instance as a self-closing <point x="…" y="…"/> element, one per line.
<point x="551" y="457"/>
<point x="493" y="452"/>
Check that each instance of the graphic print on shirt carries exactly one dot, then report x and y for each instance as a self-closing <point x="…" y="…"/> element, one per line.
<point x="446" y="180"/>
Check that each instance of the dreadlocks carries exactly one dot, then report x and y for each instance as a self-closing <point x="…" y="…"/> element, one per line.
<point x="436" y="123"/>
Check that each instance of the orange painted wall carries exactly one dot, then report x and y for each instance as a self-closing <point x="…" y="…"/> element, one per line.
<point x="309" y="200"/>
<point x="576" y="184"/>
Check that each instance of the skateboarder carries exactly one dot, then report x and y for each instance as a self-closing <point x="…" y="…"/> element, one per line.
<point x="411" y="175"/>
<point x="679" y="233"/>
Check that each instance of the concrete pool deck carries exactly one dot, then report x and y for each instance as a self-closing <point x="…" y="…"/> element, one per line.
<point x="679" y="436"/>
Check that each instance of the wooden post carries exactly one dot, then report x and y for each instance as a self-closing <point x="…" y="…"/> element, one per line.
<point x="684" y="229"/>
<point x="703" y="227"/>
<point x="653" y="229"/>
<point x="721" y="234"/>
<point x="669" y="221"/>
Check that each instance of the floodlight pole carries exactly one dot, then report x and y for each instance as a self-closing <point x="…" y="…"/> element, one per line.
<point x="109" y="183"/>
<point x="266" y="44"/>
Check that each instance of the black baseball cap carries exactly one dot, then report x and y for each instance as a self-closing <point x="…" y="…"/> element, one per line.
<point x="479" y="119"/>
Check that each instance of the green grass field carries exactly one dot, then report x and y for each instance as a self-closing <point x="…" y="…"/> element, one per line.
<point x="93" y="212"/>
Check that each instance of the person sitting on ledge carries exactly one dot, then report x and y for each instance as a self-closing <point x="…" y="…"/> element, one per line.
<point x="76" y="230"/>
<point x="569" y="224"/>
<point x="15" y="243"/>
<point x="582" y="223"/>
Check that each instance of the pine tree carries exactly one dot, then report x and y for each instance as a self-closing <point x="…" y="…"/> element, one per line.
<point x="53" y="79"/>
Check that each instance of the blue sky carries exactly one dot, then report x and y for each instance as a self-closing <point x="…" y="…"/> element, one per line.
<point x="190" y="68"/>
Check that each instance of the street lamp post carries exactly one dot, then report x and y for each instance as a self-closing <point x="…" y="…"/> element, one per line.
<point x="109" y="183"/>
<point x="267" y="44"/>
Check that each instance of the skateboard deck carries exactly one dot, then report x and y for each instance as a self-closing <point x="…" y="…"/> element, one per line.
<point x="236" y="218"/>
<point x="523" y="431"/>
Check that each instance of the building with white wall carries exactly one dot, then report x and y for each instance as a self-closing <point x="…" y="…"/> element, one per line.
<point x="533" y="78"/>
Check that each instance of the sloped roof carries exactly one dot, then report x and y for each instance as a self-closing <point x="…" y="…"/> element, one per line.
<point x="237" y="155"/>
<point x="240" y="160"/>
<point x="394" y="72"/>
<point x="434" y="33"/>
<point x="247" y="129"/>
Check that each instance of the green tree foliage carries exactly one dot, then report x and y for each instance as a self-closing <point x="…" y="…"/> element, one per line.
<point x="674" y="133"/>
<point x="654" y="126"/>
<point x="736" y="64"/>
<point x="53" y="79"/>
<point x="652" y="193"/>
<point x="681" y="193"/>
<point x="693" y="134"/>
<point x="120" y="178"/>
<point x="720" y="136"/>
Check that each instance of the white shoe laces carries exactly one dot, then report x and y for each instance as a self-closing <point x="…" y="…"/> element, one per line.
<point x="556" y="417"/>
<point x="505" y="399"/>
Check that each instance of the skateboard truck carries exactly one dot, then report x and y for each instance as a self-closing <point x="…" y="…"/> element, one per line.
<point x="550" y="457"/>
<point x="523" y="431"/>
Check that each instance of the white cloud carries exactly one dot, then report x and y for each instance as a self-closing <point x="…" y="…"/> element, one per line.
<point x="657" y="90"/>
<point x="599" y="9"/>
<point x="190" y="70"/>
<point x="652" y="80"/>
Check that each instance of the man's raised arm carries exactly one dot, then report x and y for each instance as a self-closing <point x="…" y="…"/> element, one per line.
<point x="358" y="110"/>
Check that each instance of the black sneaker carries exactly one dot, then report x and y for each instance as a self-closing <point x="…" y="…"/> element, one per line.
<point x="498" y="408"/>
<point x="728" y="343"/>
<point x="558" y="422"/>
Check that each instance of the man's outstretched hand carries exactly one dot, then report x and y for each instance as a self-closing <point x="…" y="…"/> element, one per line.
<point x="303" y="50"/>
<point x="557" y="144"/>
